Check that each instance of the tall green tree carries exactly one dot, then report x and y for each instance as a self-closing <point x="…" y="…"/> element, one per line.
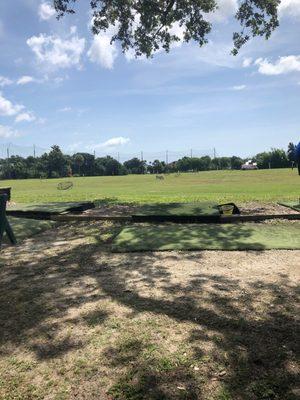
<point x="291" y="152"/>
<point x="57" y="163"/>
<point x="147" y="25"/>
<point x="79" y="161"/>
<point x="135" y="166"/>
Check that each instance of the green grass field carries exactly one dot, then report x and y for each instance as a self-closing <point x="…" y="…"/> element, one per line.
<point x="219" y="186"/>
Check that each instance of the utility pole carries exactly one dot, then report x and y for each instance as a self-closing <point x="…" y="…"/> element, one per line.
<point x="7" y="150"/>
<point x="34" y="150"/>
<point x="118" y="157"/>
<point x="94" y="153"/>
<point x="167" y="157"/>
<point x="142" y="156"/>
<point x="191" y="153"/>
<point x="215" y="152"/>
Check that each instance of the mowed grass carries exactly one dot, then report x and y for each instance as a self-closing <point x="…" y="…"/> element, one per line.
<point x="219" y="186"/>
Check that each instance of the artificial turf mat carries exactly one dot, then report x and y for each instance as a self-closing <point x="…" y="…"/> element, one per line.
<point x="180" y="209"/>
<point x="293" y="205"/>
<point x="49" y="208"/>
<point x="246" y="236"/>
<point x="24" y="227"/>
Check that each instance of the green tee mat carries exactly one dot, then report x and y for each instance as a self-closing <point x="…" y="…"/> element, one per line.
<point x="181" y="212"/>
<point x="293" y="205"/>
<point x="48" y="209"/>
<point x="24" y="227"/>
<point x="246" y="236"/>
<point x="4" y="223"/>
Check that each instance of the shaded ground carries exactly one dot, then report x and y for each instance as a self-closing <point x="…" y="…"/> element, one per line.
<point x="77" y="322"/>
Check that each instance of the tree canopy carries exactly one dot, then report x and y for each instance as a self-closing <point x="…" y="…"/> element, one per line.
<point x="145" y="26"/>
<point x="55" y="164"/>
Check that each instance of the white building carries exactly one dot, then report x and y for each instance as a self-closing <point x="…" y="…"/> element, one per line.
<point x="249" y="165"/>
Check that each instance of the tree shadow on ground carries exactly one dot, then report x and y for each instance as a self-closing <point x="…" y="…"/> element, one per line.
<point x="256" y="347"/>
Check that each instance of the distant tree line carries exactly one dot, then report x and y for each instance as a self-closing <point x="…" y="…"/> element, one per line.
<point x="55" y="164"/>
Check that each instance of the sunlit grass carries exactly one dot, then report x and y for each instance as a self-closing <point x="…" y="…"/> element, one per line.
<point x="262" y="185"/>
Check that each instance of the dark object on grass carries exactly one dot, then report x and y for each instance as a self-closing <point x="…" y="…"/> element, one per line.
<point x="7" y="191"/>
<point x="64" y="185"/>
<point x="224" y="208"/>
<point x="4" y="224"/>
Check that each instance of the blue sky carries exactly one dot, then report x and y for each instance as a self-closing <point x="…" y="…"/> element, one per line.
<point x="60" y="85"/>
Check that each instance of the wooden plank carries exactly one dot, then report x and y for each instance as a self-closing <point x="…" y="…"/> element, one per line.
<point x="76" y="217"/>
<point x="258" y="217"/>
<point x="7" y="191"/>
<point x="2" y="216"/>
<point x="219" y="219"/>
<point x="4" y="224"/>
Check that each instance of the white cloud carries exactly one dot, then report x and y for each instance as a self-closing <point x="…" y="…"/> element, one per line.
<point x="46" y="11"/>
<point x="57" y="52"/>
<point x="73" y="30"/>
<point x="239" y="87"/>
<point x="289" y="8"/>
<point x="5" y="81"/>
<point x="113" y="142"/>
<point x="7" y="132"/>
<point x="25" y="79"/>
<point x="102" y="52"/>
<point x="65" y="109"/>
<point x="25" y="117"/>
<point x="7" y="108"/>
<point x="247" y="62"/>
<point x="283" y="65"/>
<point x="226" y="9"/>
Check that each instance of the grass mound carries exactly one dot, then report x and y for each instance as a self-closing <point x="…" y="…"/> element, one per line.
<point x="247" y="236"/>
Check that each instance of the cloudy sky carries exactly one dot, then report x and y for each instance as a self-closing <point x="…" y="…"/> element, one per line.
<point x="60" y="85"/>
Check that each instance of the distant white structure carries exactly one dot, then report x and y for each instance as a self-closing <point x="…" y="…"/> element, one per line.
<point x="249" y="165"/>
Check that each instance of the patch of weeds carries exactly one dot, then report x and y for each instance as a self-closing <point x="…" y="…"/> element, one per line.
<point x="125" y="389"/>
<point x="164" y="364"/>
<point x="150" y="350"/>
<point x="96" y="318"/>
<point x="263" y="390"/>
<point x="16" y="388"/>
<point x="204" y="359"/>
<point x="217" y="339"/>
<point x="223" y="394"/>
<point x="113" y="323"/>
<point x="84" y="367"/>
<point x="21" y="365"/>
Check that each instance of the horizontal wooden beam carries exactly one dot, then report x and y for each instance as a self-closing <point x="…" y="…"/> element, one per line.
<point x="221" y="219"/>
<point x="257" y="217"/>
<point x="78" y="217"/>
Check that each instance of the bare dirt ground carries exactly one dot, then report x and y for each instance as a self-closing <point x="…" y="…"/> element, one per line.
<point x="78" y="322"/>
<point x="245" y="208"/>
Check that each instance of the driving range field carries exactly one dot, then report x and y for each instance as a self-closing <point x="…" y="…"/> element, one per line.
<point x="219" y="186"/>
